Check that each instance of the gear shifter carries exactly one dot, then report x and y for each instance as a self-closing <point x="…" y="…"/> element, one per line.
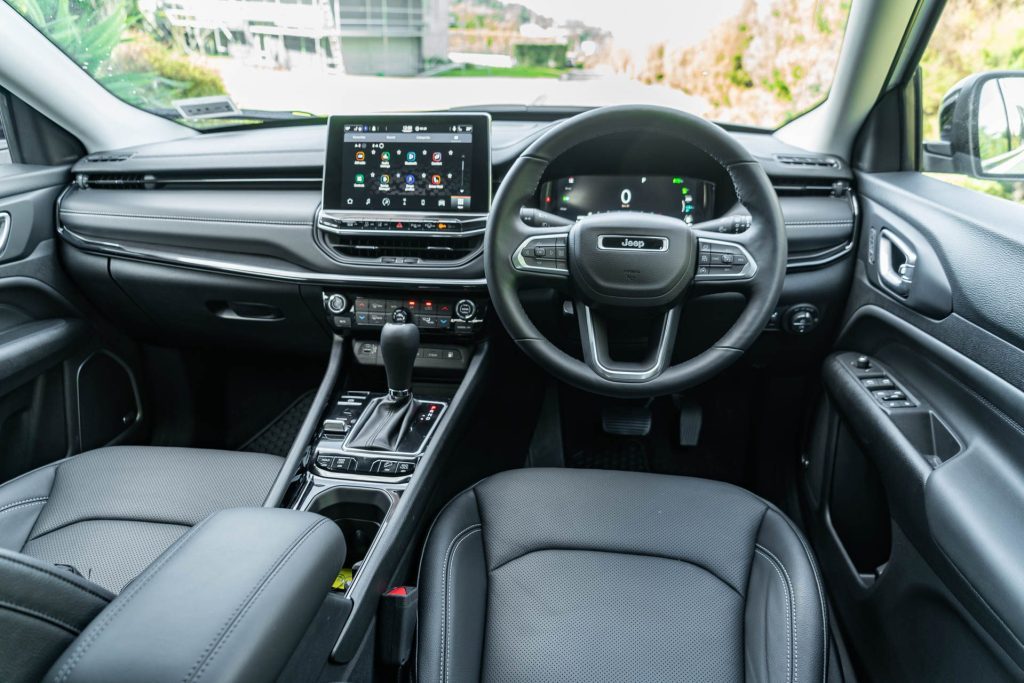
<point x="398" y="346"/>
<point x="391" y="416"/>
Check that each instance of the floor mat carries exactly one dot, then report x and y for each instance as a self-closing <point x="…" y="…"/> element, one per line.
<point x="613" y="453"/>
<point x="277" y="437"/>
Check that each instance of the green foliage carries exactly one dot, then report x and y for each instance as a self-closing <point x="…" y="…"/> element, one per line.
<point x="509" y="72"/>
<point x="101" y="36"/>
<point x="539" y="54"/>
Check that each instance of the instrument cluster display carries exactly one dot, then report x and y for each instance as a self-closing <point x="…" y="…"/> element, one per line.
<point x="690" y="199"/>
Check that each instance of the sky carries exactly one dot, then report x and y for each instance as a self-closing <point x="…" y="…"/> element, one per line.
<point x="637" y="23"/>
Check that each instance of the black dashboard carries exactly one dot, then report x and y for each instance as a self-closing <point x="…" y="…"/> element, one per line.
<point x="247" y="235"/>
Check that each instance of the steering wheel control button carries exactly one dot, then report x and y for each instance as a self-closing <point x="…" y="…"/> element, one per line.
<point x="718" y="259"/>
<point x="543" y="253"/>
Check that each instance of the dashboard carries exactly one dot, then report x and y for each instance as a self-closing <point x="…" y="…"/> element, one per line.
<point x="253" y="235"/>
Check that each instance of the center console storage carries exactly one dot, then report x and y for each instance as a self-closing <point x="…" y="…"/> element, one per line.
<point x="360" y="513"/>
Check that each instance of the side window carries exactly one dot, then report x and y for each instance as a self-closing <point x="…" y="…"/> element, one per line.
<point x="973" y="97"/>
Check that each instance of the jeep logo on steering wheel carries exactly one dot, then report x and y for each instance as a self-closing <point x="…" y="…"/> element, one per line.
<point x="627" y="243"/>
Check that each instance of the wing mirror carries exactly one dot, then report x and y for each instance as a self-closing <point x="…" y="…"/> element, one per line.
<point x="981" y="126"/>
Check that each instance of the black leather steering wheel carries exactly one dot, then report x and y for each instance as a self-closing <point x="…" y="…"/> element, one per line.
<point x="636" y="262"/>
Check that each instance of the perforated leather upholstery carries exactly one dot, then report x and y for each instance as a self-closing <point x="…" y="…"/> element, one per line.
<point x="582" y="575"/>
<point x="110" y="512"/>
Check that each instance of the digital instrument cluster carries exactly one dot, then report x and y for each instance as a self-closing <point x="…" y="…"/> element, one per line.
<point x="691" y="199"/>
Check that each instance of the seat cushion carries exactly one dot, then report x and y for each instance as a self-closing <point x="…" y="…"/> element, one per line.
<point x="110" y="512"/>
<point x="585" y="575"/>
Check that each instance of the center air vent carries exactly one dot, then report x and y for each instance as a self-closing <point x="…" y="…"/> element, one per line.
<point x="807" y="160"/>
<point x="406" y="249"/>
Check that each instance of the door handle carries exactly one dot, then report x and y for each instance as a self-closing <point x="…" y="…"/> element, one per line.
<point x="5" y="230"/>
<point x="896" y="263"/>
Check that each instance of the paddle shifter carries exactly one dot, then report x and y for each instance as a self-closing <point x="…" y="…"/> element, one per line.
<point x="391" y="416"/>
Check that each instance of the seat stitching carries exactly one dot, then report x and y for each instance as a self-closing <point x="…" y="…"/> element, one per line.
<point x="252" y="598"/>
<point x="53" y="574"/>
<point x="23" y="502"/>
<point x="793" y="658"/>
<point x="446" y="591"/>
<point x="15" y="607"/>
<point x="65" y="672"/>
<point x="821" y="596"/>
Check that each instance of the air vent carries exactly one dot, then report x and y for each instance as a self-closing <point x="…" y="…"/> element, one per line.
<point x="300" y="179"/>
<point x="807" y="161"/>
<point x="405" y="249"/>
<point x="107" y="157"/>
<point x="114" y="181"/>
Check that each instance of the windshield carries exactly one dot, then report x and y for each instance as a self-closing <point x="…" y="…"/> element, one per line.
<point x="209" y="63"/>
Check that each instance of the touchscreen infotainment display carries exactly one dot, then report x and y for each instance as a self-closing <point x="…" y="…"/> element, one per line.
<point x="425" y="163"/>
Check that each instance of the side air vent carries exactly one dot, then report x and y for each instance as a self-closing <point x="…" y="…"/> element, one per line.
<point x="114" y="181"/>
<point x="407" y="249"/>
<point x="807" y="161"/>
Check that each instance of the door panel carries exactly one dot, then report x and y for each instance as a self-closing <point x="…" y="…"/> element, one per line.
<point x="916" y="499"/>
<point x="47" y="334"/>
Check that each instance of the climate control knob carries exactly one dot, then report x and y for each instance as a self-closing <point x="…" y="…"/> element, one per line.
<point x="465" y="309"/>
<point x="336" y="303"/>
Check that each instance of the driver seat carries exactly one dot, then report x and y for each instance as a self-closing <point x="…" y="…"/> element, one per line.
<point x="588" y="575"/>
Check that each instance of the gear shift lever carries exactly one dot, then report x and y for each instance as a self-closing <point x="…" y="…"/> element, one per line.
<point x="390" y="417"/>
<point x="398" y="346"/>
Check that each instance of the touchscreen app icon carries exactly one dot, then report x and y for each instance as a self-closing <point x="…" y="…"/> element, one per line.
<point x="410" y="179"/>
<point x="410" y="157"/>
<point x="360" y="178"/>
<point x="385" y="156"/>
<point x="436" y="157"/>
<point x="385" y="179"/>
<point x="360" y="155"/>
<point x="435" y="179"/>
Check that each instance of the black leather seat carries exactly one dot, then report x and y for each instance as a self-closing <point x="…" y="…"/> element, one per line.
<point x="109" y="513"/>
<point x="581" y="575"/>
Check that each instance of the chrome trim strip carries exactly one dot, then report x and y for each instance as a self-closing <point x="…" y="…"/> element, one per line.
<point x="832" y="255"/>
<point x="115" y="250"/>
<point x="5" y="230"/>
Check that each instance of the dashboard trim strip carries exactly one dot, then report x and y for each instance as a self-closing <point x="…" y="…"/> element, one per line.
<point x="117" y="250"/>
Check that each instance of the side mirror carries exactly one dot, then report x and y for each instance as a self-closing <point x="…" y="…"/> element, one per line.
<point x="981" y="126"/>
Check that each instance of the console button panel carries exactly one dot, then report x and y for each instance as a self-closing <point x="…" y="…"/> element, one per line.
<point x="879" y="382"/>
<point x="443" y="315"/>
<point x="401" y="225"/>
<point x="332" y="458"/>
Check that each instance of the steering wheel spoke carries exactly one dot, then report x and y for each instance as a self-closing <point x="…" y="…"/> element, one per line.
<point x="594" y="335"/>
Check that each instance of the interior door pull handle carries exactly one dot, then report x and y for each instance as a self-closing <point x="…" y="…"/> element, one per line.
<point x="897" y="262"/>
<point x="5" y="230"/>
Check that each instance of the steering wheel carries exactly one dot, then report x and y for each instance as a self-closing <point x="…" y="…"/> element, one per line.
<point x="642" y="264"/>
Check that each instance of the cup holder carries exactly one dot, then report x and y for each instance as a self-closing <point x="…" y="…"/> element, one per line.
<point x="359" y="513"/>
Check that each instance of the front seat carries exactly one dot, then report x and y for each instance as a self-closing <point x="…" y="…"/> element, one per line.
<point x="107" y="514"/>
<point x="585" y="575"/>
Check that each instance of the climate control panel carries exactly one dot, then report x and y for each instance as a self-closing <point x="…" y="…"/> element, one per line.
<point x="442" y="314"/>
